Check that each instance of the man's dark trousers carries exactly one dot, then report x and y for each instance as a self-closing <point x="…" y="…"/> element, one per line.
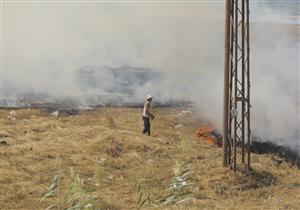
<point x="146" y="125"/>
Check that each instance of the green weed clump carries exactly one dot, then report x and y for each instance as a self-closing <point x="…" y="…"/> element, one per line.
<point x="179" y="192"/>
<point x="53" y="191"/>
<point x="77" y="197"/>
<point x="144" y="197"/>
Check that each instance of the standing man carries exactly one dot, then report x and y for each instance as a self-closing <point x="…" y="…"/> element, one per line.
<point x="147" y="115"/>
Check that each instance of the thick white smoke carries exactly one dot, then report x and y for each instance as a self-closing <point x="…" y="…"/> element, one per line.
<point x="45" y="44"/>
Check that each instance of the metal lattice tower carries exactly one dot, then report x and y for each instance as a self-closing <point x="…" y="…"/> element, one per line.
<point x="236" y="119"/>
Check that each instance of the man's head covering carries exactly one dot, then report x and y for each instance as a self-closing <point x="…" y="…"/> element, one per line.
<point x="149" y="96"/>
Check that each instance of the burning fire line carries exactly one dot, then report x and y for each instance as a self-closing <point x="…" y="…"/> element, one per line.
<point x="208" y="133"/>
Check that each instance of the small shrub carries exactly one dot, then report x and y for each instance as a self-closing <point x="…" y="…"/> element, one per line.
<point x="149" y="169"/>
<point x="186" y="148"/>
<point x="98" y="172"/>
<point x="111" y="122"/>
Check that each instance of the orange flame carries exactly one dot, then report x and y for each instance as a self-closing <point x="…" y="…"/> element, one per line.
<point x="206" y="133"/>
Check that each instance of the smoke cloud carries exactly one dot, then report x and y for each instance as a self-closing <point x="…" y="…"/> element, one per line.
<point x="175" y="50"/>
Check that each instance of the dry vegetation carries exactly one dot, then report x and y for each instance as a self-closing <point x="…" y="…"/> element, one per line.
<point x="113" y="164"/>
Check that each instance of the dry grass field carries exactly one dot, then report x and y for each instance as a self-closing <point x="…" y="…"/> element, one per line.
<point x="114" y="166"/>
